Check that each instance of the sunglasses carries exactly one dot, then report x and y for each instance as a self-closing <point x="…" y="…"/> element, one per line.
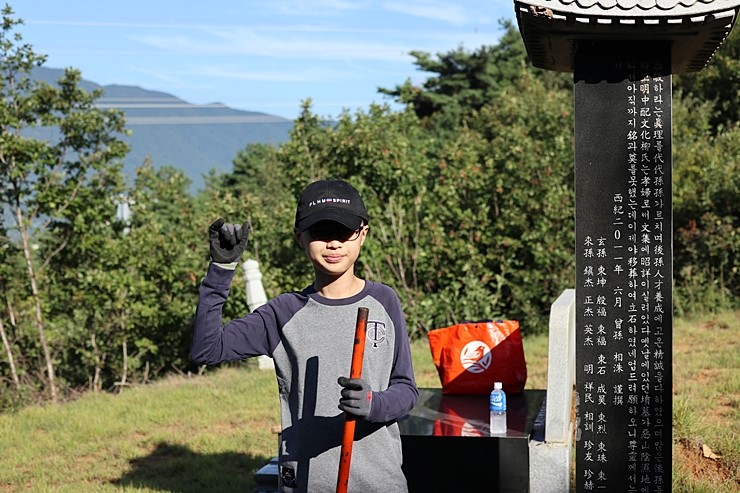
<point x="331" y="231"/>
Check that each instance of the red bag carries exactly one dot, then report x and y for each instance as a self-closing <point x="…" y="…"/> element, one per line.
<point x="471" y="356"/>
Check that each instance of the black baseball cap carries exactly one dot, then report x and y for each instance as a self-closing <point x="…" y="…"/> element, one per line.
<point x="330" y="200"/>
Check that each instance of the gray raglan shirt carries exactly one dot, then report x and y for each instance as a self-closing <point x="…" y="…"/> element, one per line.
<point x="310" y="339"/>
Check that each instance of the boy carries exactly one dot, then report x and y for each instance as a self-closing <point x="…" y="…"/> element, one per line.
<point x="309" y="335"/>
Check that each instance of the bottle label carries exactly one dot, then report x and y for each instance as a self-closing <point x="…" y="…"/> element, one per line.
<point x="497" y="401"/>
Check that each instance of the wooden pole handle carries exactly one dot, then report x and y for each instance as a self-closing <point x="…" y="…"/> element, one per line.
<point x="348" y="434"/>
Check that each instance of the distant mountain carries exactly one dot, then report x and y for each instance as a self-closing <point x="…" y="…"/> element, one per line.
<point x="194" y="138"/>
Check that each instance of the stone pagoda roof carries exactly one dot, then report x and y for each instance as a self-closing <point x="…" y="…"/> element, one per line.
<point x="695" y="28"/>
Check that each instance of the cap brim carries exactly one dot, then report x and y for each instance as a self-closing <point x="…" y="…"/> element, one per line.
<point x="340" y="216"/>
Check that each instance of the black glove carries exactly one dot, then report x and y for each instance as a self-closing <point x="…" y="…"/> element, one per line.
<point x="357" y="398"/>
<point x="228" y="241"/>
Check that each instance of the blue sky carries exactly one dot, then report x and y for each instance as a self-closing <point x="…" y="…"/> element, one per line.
<point x="263" y="56"/>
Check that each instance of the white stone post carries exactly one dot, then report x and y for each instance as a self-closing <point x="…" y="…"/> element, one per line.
<point x="550" y="461"/>
<point x="256" y="297"/>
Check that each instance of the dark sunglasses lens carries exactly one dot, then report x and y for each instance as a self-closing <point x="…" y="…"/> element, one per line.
<point x="328" y="232"/>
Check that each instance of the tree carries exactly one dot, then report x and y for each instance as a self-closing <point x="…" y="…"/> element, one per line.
<point x="463" y="81"/>
<point x="169" y="234"/>
<point x="502" y="220"/>
<point x="5" y="270"/>
<point x="52" y="188"/>
<point x="706" y="191"/>
<point x="718" y="83"/>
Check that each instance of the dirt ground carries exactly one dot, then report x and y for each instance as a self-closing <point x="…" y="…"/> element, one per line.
<point x="712" y="469"/>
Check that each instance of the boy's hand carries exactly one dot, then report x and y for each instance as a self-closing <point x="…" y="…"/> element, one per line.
<point x="357" y="398"/>
<point x="228" y="241"/>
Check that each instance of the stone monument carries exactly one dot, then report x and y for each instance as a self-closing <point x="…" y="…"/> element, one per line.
<point x="623" y="54"/>
<point x="256" y="297"/>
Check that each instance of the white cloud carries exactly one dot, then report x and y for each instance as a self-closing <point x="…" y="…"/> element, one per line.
<point x="314" y="8"/>
<point x="441" y="11"/>
<point x="312" y="74"/>
<point x="469" y="13"/>
<point x="248" y="42"/>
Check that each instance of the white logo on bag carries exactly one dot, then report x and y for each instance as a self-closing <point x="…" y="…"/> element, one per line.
<point x="476" y="357"/>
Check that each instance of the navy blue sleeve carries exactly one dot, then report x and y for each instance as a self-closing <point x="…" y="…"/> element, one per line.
<point x="401" y="395"/>
<point x="252" y="335"/>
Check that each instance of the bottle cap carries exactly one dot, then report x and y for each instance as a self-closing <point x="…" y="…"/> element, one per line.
<point x="497" y="386"/>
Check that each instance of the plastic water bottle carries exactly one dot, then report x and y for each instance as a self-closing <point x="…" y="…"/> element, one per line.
<point x="497" y="408"/>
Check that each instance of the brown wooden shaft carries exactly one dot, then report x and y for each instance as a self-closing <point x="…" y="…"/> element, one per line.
<point x="348" y="434"/>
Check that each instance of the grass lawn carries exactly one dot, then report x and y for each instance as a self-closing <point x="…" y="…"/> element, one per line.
<point x="210" y="433"/>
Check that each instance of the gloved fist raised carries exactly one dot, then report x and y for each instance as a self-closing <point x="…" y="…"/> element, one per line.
<point x="357" y="398"/>
<point x="228" y="241"/>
